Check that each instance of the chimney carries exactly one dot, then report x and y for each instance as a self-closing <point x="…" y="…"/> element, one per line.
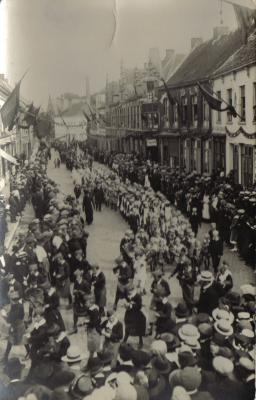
<point x="195" y="42"/>
<point x="169" y="53"/>
<point x="219" y="31"/>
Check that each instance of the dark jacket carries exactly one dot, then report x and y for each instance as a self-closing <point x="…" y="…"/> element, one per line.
<point x="208" y="300"/>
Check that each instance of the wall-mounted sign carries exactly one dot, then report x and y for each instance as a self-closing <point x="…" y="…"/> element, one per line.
<point x="151" y="142"/>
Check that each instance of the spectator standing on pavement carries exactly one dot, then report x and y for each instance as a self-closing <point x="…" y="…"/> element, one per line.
<point x="98" y="196"/>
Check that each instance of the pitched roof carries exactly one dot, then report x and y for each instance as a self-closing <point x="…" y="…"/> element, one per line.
<point x="244" y="56"/>
<point x="76" y="110"/>
<point x="206" y="58"/>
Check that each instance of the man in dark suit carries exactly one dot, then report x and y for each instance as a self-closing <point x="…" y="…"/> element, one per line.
<point x="16" y="388"/>
<point x="209" y="297"/>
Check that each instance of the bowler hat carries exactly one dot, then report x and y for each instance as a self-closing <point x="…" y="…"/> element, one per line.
<point x="182" y="310"/>
<point x="161" y="364"/>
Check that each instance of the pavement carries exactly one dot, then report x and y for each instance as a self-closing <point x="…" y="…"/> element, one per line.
<point x="103" y="247"/>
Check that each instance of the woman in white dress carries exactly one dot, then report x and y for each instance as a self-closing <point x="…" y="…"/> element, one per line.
<point x="206" y="207"/>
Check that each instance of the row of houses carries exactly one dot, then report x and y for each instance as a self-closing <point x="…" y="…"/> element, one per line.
<point x="17" y="142"/>
<point x="186" y="132"/>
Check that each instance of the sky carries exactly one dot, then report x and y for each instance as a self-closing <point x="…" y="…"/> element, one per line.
<point x="60" y="42"/>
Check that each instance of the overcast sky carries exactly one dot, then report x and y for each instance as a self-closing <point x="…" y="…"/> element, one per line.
<point x="62" y="41"/>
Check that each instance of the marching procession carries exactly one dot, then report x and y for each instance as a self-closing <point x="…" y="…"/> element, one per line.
<point x="127" y="200"/>
<point x="181" y="346"/>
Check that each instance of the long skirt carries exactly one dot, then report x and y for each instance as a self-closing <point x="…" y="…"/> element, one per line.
<point x="135" y="323"/>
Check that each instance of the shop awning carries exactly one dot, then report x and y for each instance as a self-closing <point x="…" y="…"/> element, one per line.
<point x="8" y="157"/>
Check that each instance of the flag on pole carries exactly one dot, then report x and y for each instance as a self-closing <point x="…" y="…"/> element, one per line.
<point x="10" y="108"/>
<point x="86" y="117"/>
<point x="214" y="102"/>
<point x="43" y="126"/>
<point x="171" y="99"/>
<point x="31" y="115"/>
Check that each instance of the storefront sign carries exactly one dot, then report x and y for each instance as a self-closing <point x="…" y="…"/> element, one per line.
<point x="151" y="142"/>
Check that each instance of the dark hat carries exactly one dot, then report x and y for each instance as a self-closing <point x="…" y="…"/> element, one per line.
<point x="13" y="366"/>
<point x="202" y="318"/>
<point x="189" y="378"/>
<point x="206" y="330"/>
<point x="161" y="364"/>
<point x="94" y="366"/>
<point x="156" y="384"/>
<point x="171" y="340"/>
<point x="125" y="351"/>
<point x="81" y="387"/>
<point x="140" y="358"/>
<point x="105" y="356"/>
<point x="234" y="298"/>
<point x="59" y="394"/>
<point x="182" y="311"/>
<point x="187" y="358"/>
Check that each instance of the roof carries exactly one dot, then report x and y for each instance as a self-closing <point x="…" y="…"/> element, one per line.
<point x="244" y="56"/>
<point x="206" y="58"/>
<point x="76" y="109"/>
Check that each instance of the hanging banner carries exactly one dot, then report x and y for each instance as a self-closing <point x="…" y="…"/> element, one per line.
<point x="8" y="157"/>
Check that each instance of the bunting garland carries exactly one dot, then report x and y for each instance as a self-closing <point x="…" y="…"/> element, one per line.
<point x="242" y="131"/>
<point x="82" y="124"/>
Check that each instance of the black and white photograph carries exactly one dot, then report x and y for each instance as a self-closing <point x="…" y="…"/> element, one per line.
<point x="127" y="199"/>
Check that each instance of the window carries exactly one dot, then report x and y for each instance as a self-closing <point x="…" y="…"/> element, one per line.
<point x="166" y="108"/>
<point x="175" y="112"/>
<point x="205" y="110"/>
<point x="219" y="112"/>
<point x="193" y="109"/>
<point x="247" y="165"/>
<point x="242" y="103"/>
<point x="254" y="102"/>
<point x="184" y="110"/>
<point x="229" y="100"/>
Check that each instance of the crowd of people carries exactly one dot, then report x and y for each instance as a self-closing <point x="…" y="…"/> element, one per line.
<point x="198" y="348"/>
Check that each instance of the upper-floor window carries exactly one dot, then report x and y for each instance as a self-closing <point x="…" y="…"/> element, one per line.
<point x="229" y="100"/>
<point x="184" y="106"/>
<point x="254" y="101"/>
<point x="205" y="110"/>
<point x="194" y="113"/>
<point x="219" y="112"/>
<point x="165" y="104"/>
<point x="242" y="103"/>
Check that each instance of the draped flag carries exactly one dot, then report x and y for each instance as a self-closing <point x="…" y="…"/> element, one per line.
<point x="31" y="115"/>
<point x="215" y="102"/>
<point x="43" y="126"/>
<point x="10" y="108"/>
<point x="86" y="116"/>
<point x="171" y="99"/>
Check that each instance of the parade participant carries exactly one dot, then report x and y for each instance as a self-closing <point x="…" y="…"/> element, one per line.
<point x="112" y="330"/>
<point x="81" y="293"/>
<point x="93" y="327"/>
<point x="98" y="196"/>
<point x="99" y="285"/>
<point x="224" y="280"/>
<point x="209" y="296"/>
<point x="216" y="250"/>
<point x="14" y="315"/>
<point x="134" y="319"/>
<point x="87" y="207"/>
<point x="124" y="283"/>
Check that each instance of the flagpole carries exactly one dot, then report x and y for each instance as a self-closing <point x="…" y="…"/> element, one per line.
<point x="224" y="101"/>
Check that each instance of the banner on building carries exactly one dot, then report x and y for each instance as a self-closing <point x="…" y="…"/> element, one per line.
<point x="10" y="108"/>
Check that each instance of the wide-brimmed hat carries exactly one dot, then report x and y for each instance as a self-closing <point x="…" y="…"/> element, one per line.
<point x="223" y="327"/>
<point x="188" y="330"/>
<point x="248" y="289"/>
<point x="161" y="364"/>
<point x="182" y="311"/>
<point x="222" y="365"/>
<point x="206" y="276"/>
<point x="74" y="355"/>
<point x="158" y="347"/>
<point x="223" y="314"/>
<point x="81" y="387"/>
